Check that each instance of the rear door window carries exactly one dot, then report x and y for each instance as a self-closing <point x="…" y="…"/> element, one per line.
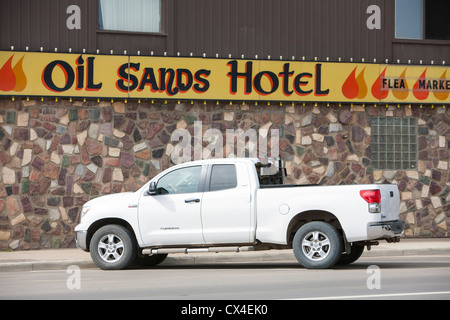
<point x="223" y="176"/>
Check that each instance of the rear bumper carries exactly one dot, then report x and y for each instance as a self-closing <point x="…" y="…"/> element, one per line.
<point x="385" y="229"/>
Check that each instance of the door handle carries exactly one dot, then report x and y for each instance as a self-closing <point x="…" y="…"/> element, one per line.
<point x="192" y="200"/>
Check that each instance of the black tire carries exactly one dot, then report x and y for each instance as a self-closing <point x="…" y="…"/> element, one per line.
<point x="317" y="245"/>
<point x="356" y="252"/>
<point x="113" y="247"/>
<point x="150" y="261"/>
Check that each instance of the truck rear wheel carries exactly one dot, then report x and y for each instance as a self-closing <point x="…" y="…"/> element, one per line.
<point x="356" y="252"/>
<point x="113" y="247"/>
<point x="317" y="245"/>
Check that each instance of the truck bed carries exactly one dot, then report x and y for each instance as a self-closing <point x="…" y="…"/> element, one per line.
<point x="268" y="186"/>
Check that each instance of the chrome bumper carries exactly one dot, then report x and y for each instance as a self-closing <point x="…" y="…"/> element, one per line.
<point x="80" y="239"/>
<point x="385" y="229"/>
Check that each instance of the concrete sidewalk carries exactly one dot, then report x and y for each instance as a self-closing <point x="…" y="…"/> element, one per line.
<point x="60" y="259"/>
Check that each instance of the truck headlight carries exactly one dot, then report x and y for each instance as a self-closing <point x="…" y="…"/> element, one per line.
<point x="84" y="211"/>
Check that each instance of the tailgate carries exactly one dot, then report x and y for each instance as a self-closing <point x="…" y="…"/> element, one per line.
<point x="390" y="202"/>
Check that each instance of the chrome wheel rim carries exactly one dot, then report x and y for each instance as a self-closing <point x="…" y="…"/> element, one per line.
<point x="316" y="246"/>
<point x="110" y="248"/>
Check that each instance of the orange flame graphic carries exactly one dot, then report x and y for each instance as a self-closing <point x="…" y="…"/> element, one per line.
<point x="439" y="93"/>
<point x="21" y="79"/>
<point x="12" y="78"/>
<point x="419" y="90"/>
<point x="7" y="77"/>
<point x="350" y="87"/>
<point x="377" y="88"/>
<point x="361" y="85"/>
<point x="355" y="87"/>
<point x="401" y="93"/>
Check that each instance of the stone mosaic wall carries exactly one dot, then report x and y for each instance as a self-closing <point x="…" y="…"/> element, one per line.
<point x="56" y="155"/>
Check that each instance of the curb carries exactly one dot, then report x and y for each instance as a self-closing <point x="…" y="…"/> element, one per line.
<point x="44" y="265"/>
<point x="216" y="258"/>
<point x="408" y="252"/>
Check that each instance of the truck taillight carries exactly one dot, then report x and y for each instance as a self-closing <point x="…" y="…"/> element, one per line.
<point x="371" y="196"/>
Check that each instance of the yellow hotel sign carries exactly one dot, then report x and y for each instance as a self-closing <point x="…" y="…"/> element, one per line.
<point x="144" y="77"/>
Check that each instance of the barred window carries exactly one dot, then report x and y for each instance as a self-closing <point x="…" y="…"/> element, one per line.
<point x="394" y="143"/>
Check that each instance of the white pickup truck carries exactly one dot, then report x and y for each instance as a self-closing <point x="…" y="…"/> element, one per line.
<point x="222" y="205"/>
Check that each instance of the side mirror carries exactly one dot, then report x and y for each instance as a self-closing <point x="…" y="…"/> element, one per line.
<point x="152" y="188"/>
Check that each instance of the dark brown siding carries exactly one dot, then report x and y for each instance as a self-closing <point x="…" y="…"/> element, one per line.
<point x="436" y="51"/>
<point x="42" y="23"/>
<point x="326" y="28"/>
<point x="288" y="28"/>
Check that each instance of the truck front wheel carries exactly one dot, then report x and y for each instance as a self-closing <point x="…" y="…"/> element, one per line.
<point x="150" y="261"/>
<point x="113" y="247"/>
<point x="317" y="245"/>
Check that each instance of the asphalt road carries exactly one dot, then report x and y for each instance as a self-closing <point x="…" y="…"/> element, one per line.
<point x="397" y="277"/>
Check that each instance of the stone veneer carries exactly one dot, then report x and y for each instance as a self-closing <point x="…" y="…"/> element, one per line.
<point x="56" y="155"/>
